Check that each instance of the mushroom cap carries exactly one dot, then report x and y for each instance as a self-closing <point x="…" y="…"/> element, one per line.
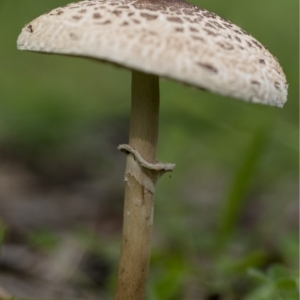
<point x="168" y="38"/>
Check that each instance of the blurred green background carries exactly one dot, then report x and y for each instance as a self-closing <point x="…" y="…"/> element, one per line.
<point x="226" y="221"/>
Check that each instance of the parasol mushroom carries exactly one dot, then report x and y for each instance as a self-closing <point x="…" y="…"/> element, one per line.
<point x="168" y="38"/>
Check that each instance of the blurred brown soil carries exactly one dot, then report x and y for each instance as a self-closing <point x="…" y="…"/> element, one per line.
<point x="59" y="193"/>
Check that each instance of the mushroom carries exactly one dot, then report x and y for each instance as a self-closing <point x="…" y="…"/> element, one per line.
<point x="168" y="38"/>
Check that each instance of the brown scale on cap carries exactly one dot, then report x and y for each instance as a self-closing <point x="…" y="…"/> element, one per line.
<point x="187" y="43"/>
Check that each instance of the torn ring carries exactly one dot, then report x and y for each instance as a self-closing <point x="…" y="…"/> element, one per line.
<point x="144" y="172"/>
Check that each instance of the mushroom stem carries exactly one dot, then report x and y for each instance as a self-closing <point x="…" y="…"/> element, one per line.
<point x="139" y="189"/>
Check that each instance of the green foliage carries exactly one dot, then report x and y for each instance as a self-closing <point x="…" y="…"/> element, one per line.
<point x="277" y="283"/>
<point x="42" y="239"/>
<point x="238" y="190"/>
<point x="170" y="273"/>
<point x="2" y="232"/>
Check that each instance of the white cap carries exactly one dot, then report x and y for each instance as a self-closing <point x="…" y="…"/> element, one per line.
<point x="168" y="38"/>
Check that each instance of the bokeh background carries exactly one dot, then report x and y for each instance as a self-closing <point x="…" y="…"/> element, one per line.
<point x="226" y="221"/>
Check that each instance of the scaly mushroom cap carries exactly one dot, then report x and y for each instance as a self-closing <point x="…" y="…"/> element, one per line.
<point x="168" y="38"/>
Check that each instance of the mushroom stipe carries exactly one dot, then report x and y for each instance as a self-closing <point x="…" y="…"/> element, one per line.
<point x="159" y="38"/>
